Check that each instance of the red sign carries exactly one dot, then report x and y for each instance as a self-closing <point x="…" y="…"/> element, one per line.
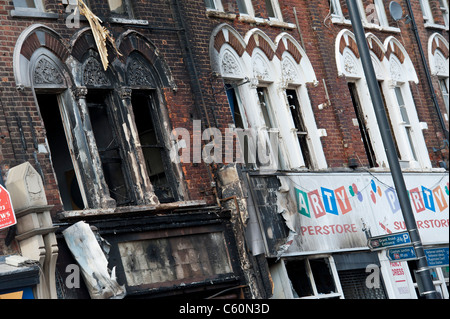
<point x="7" y="217"/>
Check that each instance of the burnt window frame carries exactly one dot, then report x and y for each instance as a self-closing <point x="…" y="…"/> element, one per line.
<point x="310" y="274"/>
<point x="104" y="83"/>
<point x="151" y="86"/>
<point x="110" y="103"/>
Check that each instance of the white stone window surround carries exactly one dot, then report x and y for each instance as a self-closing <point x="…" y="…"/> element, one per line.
<point x="426" y="11"/>
<point x="37" y="12"/>
<point x="217" y="5"/>
<point x="258" y="71"/>
<point x="439" y="65"/>
<point x="391" y="73"/>
<point x="277" y="10"/>
<point x="337" y="17"/>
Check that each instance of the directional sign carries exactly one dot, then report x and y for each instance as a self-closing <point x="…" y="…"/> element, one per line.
<point x="389" y="241"/>
<point x="7" y="217"/>
<point x="401" y="254"/>
<point x="437" y="257"/>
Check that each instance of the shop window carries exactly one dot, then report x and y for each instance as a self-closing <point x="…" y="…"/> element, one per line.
<point x="354" y="285"/>
<point x="353" y="273"/>
<point x="156" y="158"/>
<point x="302" y="132"/>
<point x="312" y="278"/>
<point x="63" y="167"/>
<point x="109" y="147"/>
<point x="439" y="276"/>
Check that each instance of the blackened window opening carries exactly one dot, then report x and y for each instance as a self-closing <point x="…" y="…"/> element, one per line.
<point x="155" y="154"/>
<point x="63" y="167"/>
<point x="362" y="125"/>
<point x="109" y="148"/>
<point x="302" y="133"/>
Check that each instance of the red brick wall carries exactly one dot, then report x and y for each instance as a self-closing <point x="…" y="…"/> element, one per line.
<point x="343" y="140"/>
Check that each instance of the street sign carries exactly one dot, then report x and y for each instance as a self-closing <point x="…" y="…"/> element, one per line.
<point x="7" y="217"/>
<point x="389" y="241"/>
<point x="401" y="254"/>
<point x="437" y="257"/>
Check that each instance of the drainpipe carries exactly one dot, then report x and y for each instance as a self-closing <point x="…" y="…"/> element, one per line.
<point x="427" y="70"/>
<point x="423" y="272"/>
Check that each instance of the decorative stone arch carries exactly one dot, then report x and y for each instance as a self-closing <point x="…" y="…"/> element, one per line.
<point x="294" y="61"/>
<point x="38" y="36"/>
<point x="131" y="42"/>
<point x="347" y="56"/>
<point x="89" y="71"/>
<point x="256" y="38"/>
<point x="438" y="53"/>
<point x="226" y="36"/>
<point x="230" y="65"/>
<point x="378" y="55"/>
<point x="399" y="57"/>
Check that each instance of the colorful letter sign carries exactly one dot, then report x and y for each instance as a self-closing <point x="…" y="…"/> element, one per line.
<point x="7" y="217"/>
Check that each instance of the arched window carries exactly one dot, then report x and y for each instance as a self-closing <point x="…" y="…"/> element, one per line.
<point x="438" y="51"/>
<point x="266" y="89"/>
<point x="394" y="70"/>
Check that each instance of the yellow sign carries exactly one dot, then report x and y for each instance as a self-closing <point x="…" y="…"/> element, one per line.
<point x="12" y="295"/>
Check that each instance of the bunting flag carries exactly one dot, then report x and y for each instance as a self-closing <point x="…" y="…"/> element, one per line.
<point x="101" y="34"/>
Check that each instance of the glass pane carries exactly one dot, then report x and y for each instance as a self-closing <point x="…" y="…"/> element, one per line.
<point x="117" y="6"/>
<point x="242" y="6"/>
<point x="298" y="274"/>
<point x="444" y="90"/>
<point x="398" y="93"/>
<point x="269" y="8"/>
<point x="210" y="4"/>
<point x="302" y="133"/>
<point x="322" y="276"/>
<point x="262" y="96"/>
<point x="24" y="3"/>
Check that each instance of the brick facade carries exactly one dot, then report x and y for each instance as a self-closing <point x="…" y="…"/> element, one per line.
<point x="180" y="32"/>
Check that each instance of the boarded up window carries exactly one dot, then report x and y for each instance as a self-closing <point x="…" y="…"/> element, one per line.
<point x="169" y="261"/>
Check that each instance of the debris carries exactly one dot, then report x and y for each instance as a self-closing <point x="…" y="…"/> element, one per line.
<point x="83" y="244"/>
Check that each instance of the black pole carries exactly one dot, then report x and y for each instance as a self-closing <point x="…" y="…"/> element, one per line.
<point x="423" y="274"/>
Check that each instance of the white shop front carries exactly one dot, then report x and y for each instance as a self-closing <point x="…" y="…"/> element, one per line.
<point x="330" y="218"/>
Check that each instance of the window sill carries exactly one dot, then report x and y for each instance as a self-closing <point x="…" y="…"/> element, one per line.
<point x="435" y="26"/>
<point x="249" y="19"/>
<point x="120" y="20"/>
<point x="343" y="21"/>
<point x="220" y="14"/>
<point x="20" y="13"/>
<point x="130" y="209"/>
